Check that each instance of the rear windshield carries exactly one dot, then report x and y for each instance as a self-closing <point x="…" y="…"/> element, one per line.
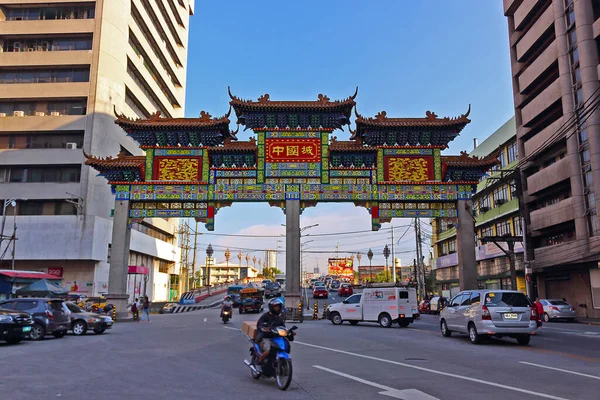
<point x="558" y="303"/>
<point x="55" y="305"/>
<point x="502" y="299"/>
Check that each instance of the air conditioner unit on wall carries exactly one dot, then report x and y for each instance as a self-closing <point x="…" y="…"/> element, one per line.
<point x="484" y="209"/>
<point x="18" y="113"/>
<point x="500" y="201"/>
<point x="2" y="114"/>
<point x="40" y="113"/>
<point x="55" y="114"/>
<point x="71" y="145"/>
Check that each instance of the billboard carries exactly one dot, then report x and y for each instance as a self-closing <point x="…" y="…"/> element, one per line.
<point x="341" y="267"/>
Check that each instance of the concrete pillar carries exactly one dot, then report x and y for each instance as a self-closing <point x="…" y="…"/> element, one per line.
<point x="465" y="245"/>
<point x="588" y="66"/>
<point x="292" y="255"/>
<point x="566" y="89"/>
<point x="119" y="259"/>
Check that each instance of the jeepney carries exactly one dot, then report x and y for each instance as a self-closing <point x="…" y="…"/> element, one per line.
<point x="251" y="300"/>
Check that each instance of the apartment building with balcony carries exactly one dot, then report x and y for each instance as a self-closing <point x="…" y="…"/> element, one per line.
<point x="554" y="46"/>
<point x="496" y="212"/>
<point x="65" y="68"/>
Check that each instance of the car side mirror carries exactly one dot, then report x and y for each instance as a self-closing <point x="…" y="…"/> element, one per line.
<point x="345" y="301"/>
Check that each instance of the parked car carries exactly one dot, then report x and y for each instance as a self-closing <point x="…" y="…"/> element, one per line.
<point x="345" y="290"/>
<point x="167" y="308"/>
<point x="50" y="316"/>
<point x="425" y="307"/>
<point x="82" y="321"/>
<point x="272" y="289"/>
<point x="555" y="309"/>
<point x="14" y="325"/>
<point x="320" y="292"/>
<point x="486" y="313"/>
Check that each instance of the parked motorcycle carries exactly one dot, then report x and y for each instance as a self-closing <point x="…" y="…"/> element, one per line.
<point x="226" y="315"/>
<point x="279" y="363"/>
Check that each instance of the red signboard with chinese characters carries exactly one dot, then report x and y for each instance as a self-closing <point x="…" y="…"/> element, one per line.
<point x="292" y="150"/>
<point x="55" y="271"/>
<point x="177" y="169"/>
<point x="408" y="169"/>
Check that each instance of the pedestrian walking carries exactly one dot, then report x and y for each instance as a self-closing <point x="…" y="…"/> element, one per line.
<point x="539" y="308"/>
<point x="146" y="309"/>
<point x="134" y="310"/>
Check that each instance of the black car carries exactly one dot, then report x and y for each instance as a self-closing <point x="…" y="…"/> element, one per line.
<point x="272" y="289"/>
<point x="50" y="316"/>
<point x="14" y="326"/>
<point x="168" y="308"/>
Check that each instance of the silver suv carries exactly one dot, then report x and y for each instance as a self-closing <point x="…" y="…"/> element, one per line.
<point x="486" y="313"/>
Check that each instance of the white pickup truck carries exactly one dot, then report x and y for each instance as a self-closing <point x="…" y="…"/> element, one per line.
<point x="385" y="305"/>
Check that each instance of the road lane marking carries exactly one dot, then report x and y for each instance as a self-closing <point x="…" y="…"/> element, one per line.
<point x="466" y="378"/>
<point x="407" y="394"/>
<point x="561" y="370"/>
<point x="205" y="319"/>
<point x="233" y="329"/>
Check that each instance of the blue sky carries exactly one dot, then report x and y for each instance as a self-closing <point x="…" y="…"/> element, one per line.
<point x="406" y="57"/>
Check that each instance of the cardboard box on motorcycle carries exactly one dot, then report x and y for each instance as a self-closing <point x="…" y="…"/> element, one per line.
<point x="249" y="328"/>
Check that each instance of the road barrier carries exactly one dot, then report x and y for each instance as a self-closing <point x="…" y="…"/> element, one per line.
<point x="324" y="309"/>
<point x="114" y="314"/>
<point x="316" y="311"/>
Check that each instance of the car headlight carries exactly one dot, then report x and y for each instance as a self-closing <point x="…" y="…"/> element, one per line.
<point x="6" y="318"/>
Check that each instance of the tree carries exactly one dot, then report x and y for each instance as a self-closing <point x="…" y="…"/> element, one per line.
<point x="383" y="276"/>
<point x="270" y="273"/>
<point x="431" y="283"/>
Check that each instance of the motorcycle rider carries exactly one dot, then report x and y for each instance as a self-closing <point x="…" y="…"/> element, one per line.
<point x="226" y="304"/>
<point x="268" y="321"/>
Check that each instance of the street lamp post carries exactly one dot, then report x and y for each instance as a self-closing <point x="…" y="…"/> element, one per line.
<point x="358" y="258"/>
<point x="370" y="256"/>
<point x="7" y="202"/>
<point x="386" y="254"/>
<point x="227" y="255"/>
<point x="239" y="256"/>
<point x="247" y="262"/>
<point x="209" y="254"/>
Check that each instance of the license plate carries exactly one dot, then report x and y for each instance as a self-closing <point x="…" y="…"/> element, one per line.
<point x="26" y="329"/>
<point x="511" y="316"/>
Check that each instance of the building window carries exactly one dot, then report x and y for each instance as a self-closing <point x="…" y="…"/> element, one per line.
<point x="484" y="204"/>
<point x="503" y="228"/>
<point x="502" y="159"/>
<point x="487" y="231"/>
<point x="83" y="42"/>
<point x="49" y="13"/>
<point x="513" y="154"/>
<point x="451" y="246"/>
<point x="45" y="207"/>
<point x="517" y="222"/>
<point x="45" y="75"/>
<point x="41" y="141"/>
<point x="36" y="108"/>
<point x="501" y="195"/>
<point x="48" y="174"/>
<point x="152" y="231"/>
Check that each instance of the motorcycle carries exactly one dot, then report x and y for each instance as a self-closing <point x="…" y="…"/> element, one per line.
<point x="279" y="363"/>
<point x="226" y="315"/>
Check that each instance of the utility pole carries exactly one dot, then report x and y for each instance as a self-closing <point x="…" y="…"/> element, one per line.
<point x="194" y="257"/>
<point x="510" y="253"/>
<point x="419" y="263"/>
<point x="393" y="259"/>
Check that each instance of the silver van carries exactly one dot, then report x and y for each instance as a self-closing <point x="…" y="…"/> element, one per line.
<point x="486" y="313"/>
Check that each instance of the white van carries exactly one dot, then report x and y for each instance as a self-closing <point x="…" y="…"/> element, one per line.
<point x="385" y="305"/>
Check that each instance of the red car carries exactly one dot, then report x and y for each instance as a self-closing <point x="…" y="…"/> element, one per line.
<point x="320" y="292"/>
<point x="425" y="307"/>
<point x="345" y="290"/>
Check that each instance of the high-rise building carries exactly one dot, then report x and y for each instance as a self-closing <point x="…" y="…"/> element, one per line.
<point x="65" y="69"/>
<point x="496" y="212"/>
<point x="554" y="46"/>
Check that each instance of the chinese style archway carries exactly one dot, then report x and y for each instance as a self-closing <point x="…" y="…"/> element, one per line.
<point x="194" y="166"/>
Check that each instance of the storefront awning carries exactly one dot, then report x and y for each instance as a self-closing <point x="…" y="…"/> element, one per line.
<point x="137" y="269"/>
<point x="27" y="275"/>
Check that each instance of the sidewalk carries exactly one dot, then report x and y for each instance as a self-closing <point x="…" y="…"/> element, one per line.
<point x="589" y="321"/>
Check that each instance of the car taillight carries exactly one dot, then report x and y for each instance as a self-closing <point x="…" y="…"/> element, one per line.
<point x="486" y="314"/>
<point x="554" y="308"/>
<point x="573" y="309"/>
<point x="49" y="314"/>
<point x="534" y="315"/>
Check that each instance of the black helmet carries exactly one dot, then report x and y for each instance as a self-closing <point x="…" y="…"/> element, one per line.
<point x="275" y="306"/>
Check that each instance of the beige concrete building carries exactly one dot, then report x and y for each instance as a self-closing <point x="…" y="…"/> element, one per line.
<point x="65" y="67"/>
<point x="554" y="46"/>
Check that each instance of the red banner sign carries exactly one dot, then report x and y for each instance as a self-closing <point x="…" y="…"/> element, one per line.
<point x="56" y="271"/>
<point x="409" y="169"/>
<point x="293" y="150"/>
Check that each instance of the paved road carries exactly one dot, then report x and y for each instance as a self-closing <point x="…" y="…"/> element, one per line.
<point x="194" y="356"/>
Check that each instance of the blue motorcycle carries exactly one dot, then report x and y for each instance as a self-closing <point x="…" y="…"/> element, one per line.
<point x="279" y="363"/>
